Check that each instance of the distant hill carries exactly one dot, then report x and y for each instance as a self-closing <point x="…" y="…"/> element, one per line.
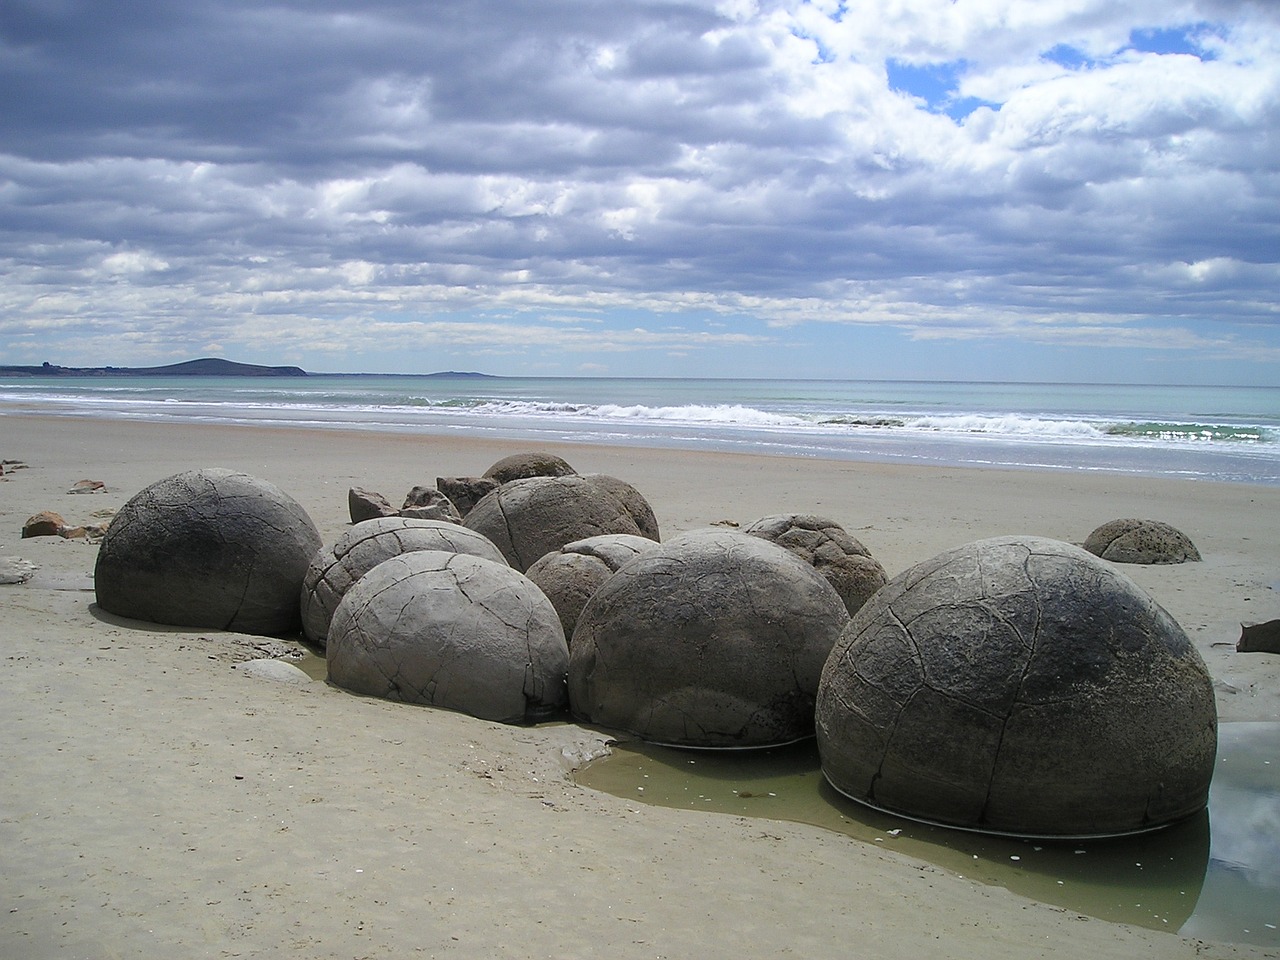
<point x="204" y="367"/>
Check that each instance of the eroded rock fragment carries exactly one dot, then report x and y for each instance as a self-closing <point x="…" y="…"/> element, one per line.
<point x="1259" y="637"/>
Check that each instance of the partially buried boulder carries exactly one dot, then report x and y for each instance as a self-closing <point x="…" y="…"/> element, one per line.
<point x="713" y="639"/>
<point x="519" y="466"/>
<point x="1141" y="541"/>
<point x="208" y="548"/>
<point x="451" y="630"/>
<point x="332" y="571"/>
<point x="530" y="518"/>
<point x="569" y="576"/>
<point x="825" y="545"/>
<point x="1019" y="685"/>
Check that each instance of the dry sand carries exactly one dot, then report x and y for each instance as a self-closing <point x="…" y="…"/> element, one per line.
<point x="156" y="802"/>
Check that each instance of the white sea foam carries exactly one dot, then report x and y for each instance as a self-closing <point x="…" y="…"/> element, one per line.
<point x="1011" y="425"/>
<point x="1219" y="433"/>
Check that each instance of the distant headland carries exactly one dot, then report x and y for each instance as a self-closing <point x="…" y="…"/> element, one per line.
<point x="204" y="367"/>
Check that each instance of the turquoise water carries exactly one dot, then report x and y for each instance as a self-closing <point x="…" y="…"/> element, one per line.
<point x="1214" y="433"/>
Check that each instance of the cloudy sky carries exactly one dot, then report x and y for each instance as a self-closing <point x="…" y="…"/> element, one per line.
<point x="963" y="189"/>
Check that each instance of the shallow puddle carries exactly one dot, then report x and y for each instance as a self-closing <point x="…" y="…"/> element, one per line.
<point x="1215" y="875"/>
<point x="313" y="664"/>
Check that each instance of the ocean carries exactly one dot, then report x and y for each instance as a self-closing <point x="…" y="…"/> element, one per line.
<point x="1229" y="434"/>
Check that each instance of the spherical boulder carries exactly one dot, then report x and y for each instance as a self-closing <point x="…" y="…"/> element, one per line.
<point x="632" y="501"/>
<point x="1018" y="685"/>
<point x="714" y="639"/>
<point x="451" y="630"/>
<point x="332" y="571"/>
<point x="530" y="518"/>
<point x="208" y="548"/>
<point x="519" y="466"/>
<point x="1141" y="541"/>
<point x="841" y="559"/>
<point x="570" y="575"/>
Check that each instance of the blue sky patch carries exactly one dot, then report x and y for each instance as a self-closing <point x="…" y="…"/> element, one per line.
<point x="935" y="83"/>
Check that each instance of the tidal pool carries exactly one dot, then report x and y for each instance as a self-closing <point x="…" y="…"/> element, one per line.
<point x="1215" y="875"/>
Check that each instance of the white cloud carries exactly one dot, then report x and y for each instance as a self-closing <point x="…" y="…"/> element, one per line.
<point x="267" y="168"/>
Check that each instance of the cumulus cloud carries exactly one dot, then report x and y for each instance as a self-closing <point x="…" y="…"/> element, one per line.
<point x="301" y="177"/>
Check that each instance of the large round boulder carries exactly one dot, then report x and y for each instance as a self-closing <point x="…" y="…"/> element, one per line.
<point x="841" y="559"/>
<point x="569" y="576"/>
<point x="1141" y="541"/>
<point x="1019" y="685"/>
<point x="519" y="466"/>
<point x="208" y="548"/>
<point x="714" y="639"/>
<point x="332" y="571"/>
<point x="530" y="518"/>
<point x="451" y="630"/>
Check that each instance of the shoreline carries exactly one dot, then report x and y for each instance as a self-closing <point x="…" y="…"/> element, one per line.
<point x="1138" y="431"/>
<point x="156" y="800"/>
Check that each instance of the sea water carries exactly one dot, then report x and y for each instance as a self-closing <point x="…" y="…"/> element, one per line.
<point x="1212" y="433"/>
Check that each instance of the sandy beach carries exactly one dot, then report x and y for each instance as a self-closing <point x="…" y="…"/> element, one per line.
<point x="154" y="801"/>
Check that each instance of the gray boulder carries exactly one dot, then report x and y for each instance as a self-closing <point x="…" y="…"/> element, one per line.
<point x="519" y="466"/>
<point x="427" y="503"/>
<point x="1019" y="685"/>
<point x="530" y="518"/>
<point x="332" y="571"/>
<point x="632" y="501"/>
<point x="713" y="639"/>
<point x="826" y="546"/>
<point x="1254" y="637"/>
<point x="465" y="492"/>
<point x="365" y="504"/>
<point x="208" y="548"/>
<point x="451" y="630"/>
<point x="570" y="575"/>
<point x="1141" y="541"/>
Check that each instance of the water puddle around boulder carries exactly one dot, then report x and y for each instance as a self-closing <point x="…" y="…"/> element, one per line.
<point x="1213" y="876"/>
<point x="313" y="664"/>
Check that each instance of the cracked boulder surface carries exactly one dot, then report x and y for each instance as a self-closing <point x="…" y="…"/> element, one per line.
<point x="333" y="570"/>
<point x="571" y="575"/>
<point x="714" y="639"/>
<point x="208" y="548"/>
<point x="1019" y="685"/>
<point x="841" y="558"/>
<point x="451" y="630"/>
<point x="530" y="518"/>
<point x="632" y="501"/>
<point x="1141" y="541"/>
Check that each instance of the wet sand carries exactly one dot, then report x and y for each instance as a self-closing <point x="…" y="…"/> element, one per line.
<point x="155" y="801"/>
